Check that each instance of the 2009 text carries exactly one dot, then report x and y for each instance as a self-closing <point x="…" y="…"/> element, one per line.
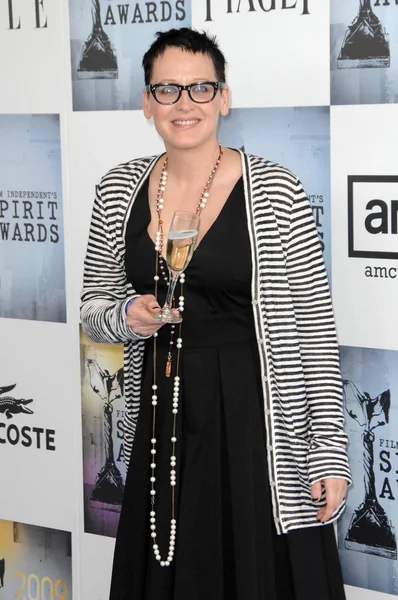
<point x="40" y="588"/>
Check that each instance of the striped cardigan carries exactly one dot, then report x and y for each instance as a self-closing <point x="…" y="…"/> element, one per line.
<point x="293" y="317"/>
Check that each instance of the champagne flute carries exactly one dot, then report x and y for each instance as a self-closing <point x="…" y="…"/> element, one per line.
<point x="181" y="242"/>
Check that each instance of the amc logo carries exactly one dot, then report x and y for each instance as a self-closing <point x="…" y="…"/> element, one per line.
<point x="373" y="216"/>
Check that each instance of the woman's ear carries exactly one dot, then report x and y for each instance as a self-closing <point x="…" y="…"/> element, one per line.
<point x="146" y="104"/>
<point x="225" y="101"/>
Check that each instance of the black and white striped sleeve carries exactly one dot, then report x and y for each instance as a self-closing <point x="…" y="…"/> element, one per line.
<point x="105" y="290"/>
<point x="318" y="343"/>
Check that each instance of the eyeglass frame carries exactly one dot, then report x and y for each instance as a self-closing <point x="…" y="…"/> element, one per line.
<point x="217" y="85"/>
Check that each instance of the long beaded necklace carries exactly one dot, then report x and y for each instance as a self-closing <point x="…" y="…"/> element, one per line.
<point x="160" y="265"/>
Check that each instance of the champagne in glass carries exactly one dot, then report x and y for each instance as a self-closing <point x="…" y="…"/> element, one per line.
<point x="180" y="248"/>
<point x="181" y="242"/>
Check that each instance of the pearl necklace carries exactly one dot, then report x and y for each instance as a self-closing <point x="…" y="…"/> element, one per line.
<point x="176" y="387"/>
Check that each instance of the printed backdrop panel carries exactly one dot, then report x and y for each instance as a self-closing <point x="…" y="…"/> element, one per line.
<point x="297" y="138"/>
<point x="367" y="530"/>
<point x="33" y="74"/>
<point x="277" y="50"/>
<point x="35" y="562"/>
<point x="104" y="471"/>
<point x="32" y="271"/>
<point x="38" y="420"/>
<point x="108" y="41"/>
<point x="364" y="51"/>
<point x="364" y="224"/>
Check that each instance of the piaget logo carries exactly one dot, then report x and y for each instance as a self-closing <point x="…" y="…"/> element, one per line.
<point x="373" y="221"/>
<point x="258" y="6"/>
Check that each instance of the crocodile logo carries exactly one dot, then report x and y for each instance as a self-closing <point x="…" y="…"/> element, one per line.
<point x="10" y="406"/>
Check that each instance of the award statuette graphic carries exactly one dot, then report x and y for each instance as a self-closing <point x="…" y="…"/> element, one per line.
<point x="366" y="43"/>
<point x="98" y="60"/>
<point x="370" y="530"/>
<point x="109" y="487"/>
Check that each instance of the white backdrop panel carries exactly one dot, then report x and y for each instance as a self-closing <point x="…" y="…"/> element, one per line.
<point x="362" y="143"/>
<point x="40" y="482"/>
<point x="277" y="57"/>
<point x="354" y="593"/>
<point x="96" y="556"/>
<point x="33" y="67"/>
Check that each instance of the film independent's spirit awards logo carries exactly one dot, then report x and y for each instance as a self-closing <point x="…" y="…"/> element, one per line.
<point x="98" y="58"/>
<point x="373" y="222"/>
<point x="109" y="486"/>
<point x="24" y="212"/>
<point x="370" y="530"/>
<point x="14" y="410"/>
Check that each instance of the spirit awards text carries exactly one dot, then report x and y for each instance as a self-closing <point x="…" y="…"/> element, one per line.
<point x="32" y="220"/>
<point x="148" y="12"/>
<point x="265" y="6"/>
<point x="390" y="450"/>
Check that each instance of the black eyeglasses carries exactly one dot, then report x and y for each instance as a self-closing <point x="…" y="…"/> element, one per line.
<point x="170" y="93"/>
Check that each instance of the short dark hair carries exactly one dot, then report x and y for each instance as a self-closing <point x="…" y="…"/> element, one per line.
<point x="187" y="39"/>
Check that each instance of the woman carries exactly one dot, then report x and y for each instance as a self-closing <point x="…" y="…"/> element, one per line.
<point x="239" y="461"/>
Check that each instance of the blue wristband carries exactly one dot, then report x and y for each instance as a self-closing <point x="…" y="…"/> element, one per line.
<point x="129" y="302"/>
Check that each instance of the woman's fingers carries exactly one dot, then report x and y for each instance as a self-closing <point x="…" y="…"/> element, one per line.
<point x="140" y="315"/>
<point x="335" y="489"/>
<point x="316" y="491"/>
<point x="150" y="303"/>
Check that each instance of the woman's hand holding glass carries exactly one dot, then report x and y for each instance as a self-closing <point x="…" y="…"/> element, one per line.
<point x="140" y="315"/>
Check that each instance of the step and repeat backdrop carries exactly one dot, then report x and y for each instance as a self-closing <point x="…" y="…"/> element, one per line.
<point x="315" y="87"/>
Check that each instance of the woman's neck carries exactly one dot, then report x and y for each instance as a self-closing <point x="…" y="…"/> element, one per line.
<point x="186" y="166"/>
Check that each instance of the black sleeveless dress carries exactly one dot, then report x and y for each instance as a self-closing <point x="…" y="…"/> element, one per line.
<point x="226" y="545"/>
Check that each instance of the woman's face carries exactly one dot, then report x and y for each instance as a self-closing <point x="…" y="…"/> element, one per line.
<point x="185" y="124"/>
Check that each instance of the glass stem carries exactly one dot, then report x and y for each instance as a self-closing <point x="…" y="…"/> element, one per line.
<point x="170" y="292"/>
